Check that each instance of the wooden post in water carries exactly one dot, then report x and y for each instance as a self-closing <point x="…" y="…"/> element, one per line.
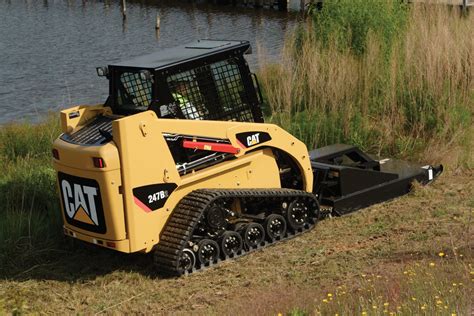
<point x="124" y="9"/>
<point x="158" y="22"/>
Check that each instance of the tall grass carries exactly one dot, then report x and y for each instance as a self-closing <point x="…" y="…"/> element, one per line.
<point x="439" y="287"/>
<point x="29" y="212"/>
<point x="397" y="84"/>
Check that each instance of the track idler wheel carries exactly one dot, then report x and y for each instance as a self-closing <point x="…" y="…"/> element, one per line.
<point x="215" y="217"/>
<point x="208" y="251"/>
<point x="231" y="243"/>
<point x="297" y="214"/>
<point x="275" y="226"/>
<point x="186" y="261"/>
<point x="253" y="234"/>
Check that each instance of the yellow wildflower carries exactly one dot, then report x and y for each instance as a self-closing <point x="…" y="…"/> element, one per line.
<point x="280" y="314"/>
<point x="325" y="301"/>
<point x="413" y="298"/>
<point x="364" y="313"/>
<point x="439" y="302"/>
<point x="432" y="264"/>
<point x="374" y="306"/>
<point x="454" y="284"/>
<point x="405" y="272"/>
<point x="423" y="307"/>
<point x="329" y="295"/>
<point x="441" y="254"/>
<point x="385" y="304"/>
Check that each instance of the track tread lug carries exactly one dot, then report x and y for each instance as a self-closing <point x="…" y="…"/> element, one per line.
<point x="186" y="215"/>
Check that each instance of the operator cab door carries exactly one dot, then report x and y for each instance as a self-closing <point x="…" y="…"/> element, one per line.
<point x="133" y="91"/>
<point x="222" y="90"/>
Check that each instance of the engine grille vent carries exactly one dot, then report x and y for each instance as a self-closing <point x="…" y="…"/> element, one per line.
<point x="97" y="132"/>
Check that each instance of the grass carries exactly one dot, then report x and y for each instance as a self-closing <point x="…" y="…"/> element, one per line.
<point x="340" y="255"/>
<point x="29" y="208"/>
<point x="423" y="287"/>
<point x="400" y="83"/>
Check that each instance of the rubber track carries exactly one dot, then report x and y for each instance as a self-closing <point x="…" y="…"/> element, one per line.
<point x="182" y="222"/>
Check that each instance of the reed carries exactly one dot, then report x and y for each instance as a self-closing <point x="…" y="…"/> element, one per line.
<point x="400" y="90"/>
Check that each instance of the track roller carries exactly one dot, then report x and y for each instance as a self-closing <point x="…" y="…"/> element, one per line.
<point x="297" y="214"/>
<point x="275" y="227"/>
<point x="230" y="243"/>
<point x="186" y="261"/>
<point x="253" y="235"/>
<point x="208" y="251"/>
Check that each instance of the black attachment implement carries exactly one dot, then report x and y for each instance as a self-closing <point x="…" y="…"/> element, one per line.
<point x="347" y="179"/>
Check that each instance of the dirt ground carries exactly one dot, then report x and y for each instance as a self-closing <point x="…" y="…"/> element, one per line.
<point x="431" y="226"/>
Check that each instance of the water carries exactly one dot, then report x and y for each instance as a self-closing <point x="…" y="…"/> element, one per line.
<point x="49" y="49"/>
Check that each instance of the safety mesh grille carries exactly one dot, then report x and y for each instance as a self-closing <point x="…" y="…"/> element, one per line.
<point x="134" y="92"/>
<point x="212" y="92"/>
<point x="94" y="133"/>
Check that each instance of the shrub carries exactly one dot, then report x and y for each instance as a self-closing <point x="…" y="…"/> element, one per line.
<point x="348" y="23"/>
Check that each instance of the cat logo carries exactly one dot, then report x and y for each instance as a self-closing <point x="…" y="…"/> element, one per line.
<point x="253" y="139"/>
<point x="82" y="202"/>
<point x="80" y="205"/>
<point x="250" y="139"/>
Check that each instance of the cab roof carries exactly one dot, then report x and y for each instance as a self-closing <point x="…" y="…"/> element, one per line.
<point x="184" y="53"/>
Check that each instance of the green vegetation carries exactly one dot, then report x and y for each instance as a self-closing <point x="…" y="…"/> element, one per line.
<point x="349" y="23"/>
<point x="391" y="79"/>
<point x="30" y="214"/>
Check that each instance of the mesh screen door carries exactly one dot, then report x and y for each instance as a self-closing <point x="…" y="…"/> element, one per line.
<point x="134" y="93"/>
<point x="212" y="92"/>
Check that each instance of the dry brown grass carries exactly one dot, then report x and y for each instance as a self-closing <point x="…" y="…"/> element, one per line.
<point x="340" y="255"/>
<point x="419" y="96"/>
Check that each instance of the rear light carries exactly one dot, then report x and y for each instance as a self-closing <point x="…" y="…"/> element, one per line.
<point x="55" y="154"/>
<point x="98" y="162"/>
<point x="110" y="244"/>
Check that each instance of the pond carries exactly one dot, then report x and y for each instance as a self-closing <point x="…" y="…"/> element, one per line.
<point x="50" y="48"/>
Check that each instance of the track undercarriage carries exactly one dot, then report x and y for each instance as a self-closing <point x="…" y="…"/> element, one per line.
<point x="209" y="226"/>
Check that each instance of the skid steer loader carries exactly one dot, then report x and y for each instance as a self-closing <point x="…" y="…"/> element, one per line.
<point x="179" y="162"/>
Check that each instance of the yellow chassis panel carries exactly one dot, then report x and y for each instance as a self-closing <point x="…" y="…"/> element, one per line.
<point x="142" y="157"/>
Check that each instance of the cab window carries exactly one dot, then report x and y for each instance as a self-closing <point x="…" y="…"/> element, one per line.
<point x="134" y="93"/>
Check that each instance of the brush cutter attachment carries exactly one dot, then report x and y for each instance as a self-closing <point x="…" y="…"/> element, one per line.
<point x="347" y="179"/>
